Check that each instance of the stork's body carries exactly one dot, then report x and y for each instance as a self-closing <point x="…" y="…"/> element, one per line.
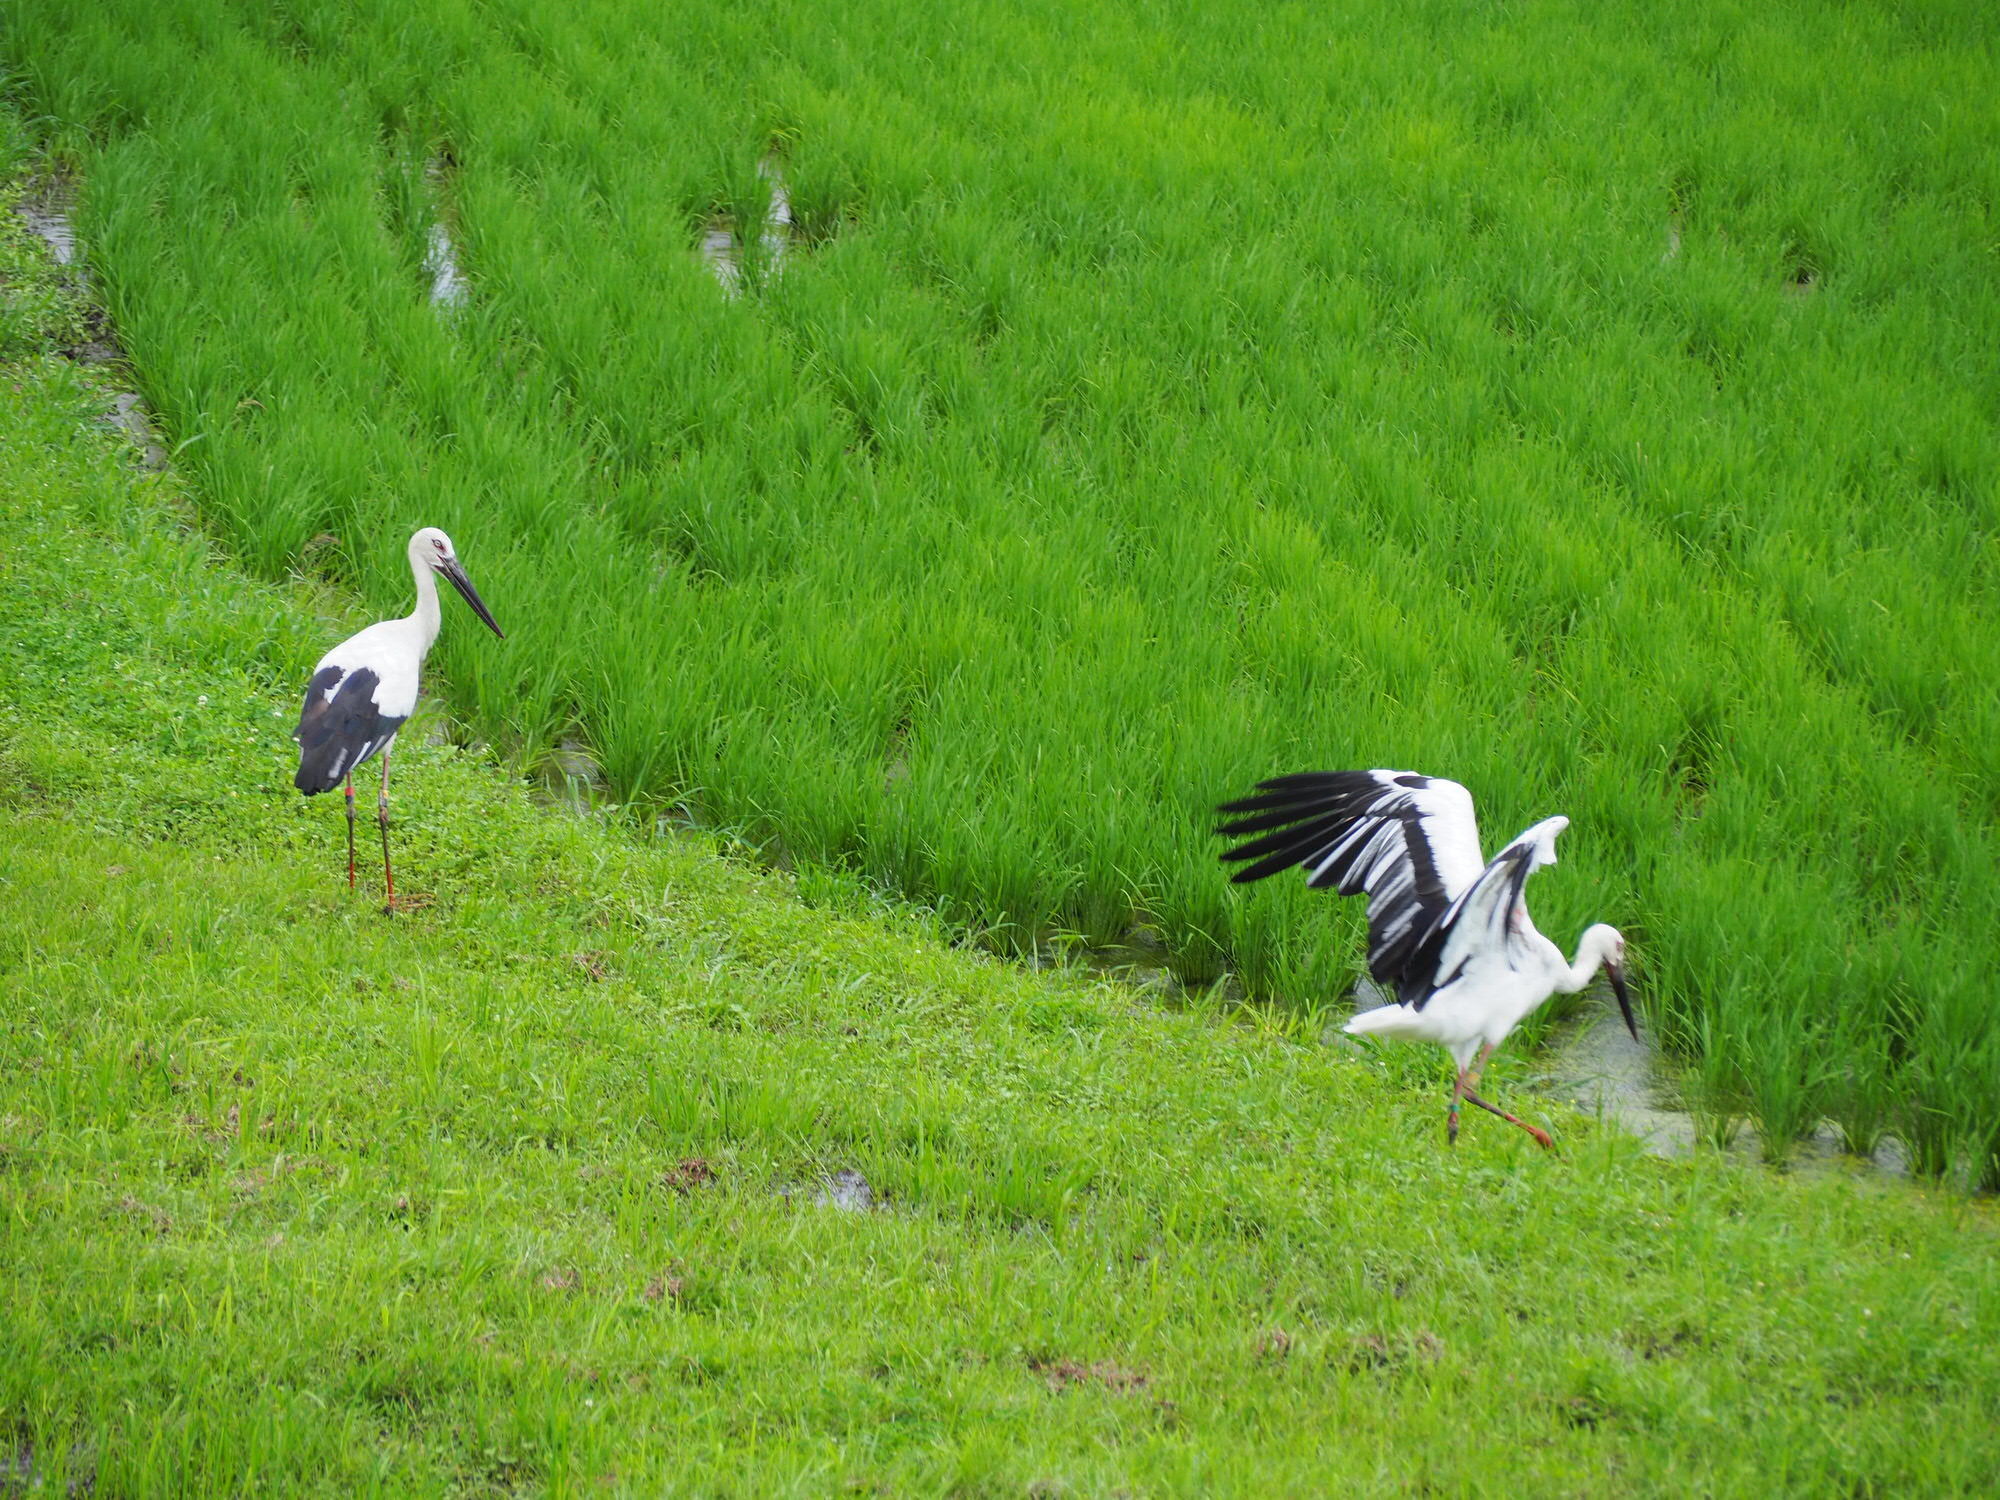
<point x="1448" y="931"/>
<point x="364" y="690"/>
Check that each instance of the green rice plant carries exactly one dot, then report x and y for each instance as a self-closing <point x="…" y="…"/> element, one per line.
<point x="1951" y="1059"/>
<point x="1716" y="1083"/>
<point x="1861" y="1096"/>
<point x="1788" y="1077"/>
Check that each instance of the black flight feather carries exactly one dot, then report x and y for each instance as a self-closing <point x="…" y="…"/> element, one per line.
<point x="339" y="732"/>
<point x="1356" y="831"/>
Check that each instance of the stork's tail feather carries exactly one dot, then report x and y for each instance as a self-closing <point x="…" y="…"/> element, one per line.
<point x="314" y="779"/>
<point x="323" y="766"/>
<point x="1398" y="1021"/>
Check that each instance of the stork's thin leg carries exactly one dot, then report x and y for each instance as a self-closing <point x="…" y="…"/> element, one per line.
<point x="1470" y="1077"/>
<point x="1451" y="1118"/>
<point x="382" y="817"/>
<point x="1541" y="1136"/>
<point x="350" y="830"/>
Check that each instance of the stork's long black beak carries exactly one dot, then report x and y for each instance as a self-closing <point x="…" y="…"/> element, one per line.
<point x="1616" y="972"/>
<point x="450" y="568"/>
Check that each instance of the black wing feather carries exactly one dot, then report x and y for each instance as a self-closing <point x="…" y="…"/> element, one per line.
<point x="1357" y="831"/>
<point x="337" y="733"/>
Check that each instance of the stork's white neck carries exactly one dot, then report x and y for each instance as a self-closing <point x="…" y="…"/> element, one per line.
<point x="1598" y="944"/>
<point x="425" y="616"/>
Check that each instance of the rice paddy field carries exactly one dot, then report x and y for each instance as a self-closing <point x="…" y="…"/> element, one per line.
<point x="613" y="1167"/>
<point x="1594" y="404"/>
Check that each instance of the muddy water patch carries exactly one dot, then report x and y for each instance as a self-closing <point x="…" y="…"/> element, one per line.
<point x="49" y="211"/>
<point x="723" y="248"/>
<point x="1594" y="1063"/>
<point x="54" y="230"/>
<point x="25" y="1471"/>
<point x="130" y="416"/>
<point x="570" y="776"/>
<point x="448" y="285"/>
<point x="449" y="288"/>
<point x="845" y="1191"/>
<point x="848" y="1191"/>
<point x="1139" y="958"/>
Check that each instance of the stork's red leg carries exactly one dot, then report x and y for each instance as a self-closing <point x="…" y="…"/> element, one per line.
<point x="1451" y="1118"/>
<point x="1470" y="1077"/>
<point x="1541" y="1136"/>
<point x="350" y="830"/>
<point x="382" y="817"/>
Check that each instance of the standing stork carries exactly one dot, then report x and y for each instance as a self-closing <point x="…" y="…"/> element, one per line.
<point x="1448" y="931"/>
<point x="364" y="689"/>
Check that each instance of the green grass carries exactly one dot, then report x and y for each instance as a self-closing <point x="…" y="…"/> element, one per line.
<point x="1592" y="403"/>
<point x="302" y="1199"/>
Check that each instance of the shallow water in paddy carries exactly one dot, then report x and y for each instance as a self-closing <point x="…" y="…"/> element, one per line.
<point x="721" y="249"/>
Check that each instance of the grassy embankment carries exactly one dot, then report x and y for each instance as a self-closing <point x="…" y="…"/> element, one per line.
<point x="1592" y="403"/>
<point x="518" y="1194"/>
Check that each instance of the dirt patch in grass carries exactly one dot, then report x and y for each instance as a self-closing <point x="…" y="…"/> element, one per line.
<point x="1061" y="1374"/>
<point x="688" y="1174"/>
<point x="1391" y="1354"/>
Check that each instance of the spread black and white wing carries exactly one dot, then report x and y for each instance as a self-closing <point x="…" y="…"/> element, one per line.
<point x="1410" y="842"/>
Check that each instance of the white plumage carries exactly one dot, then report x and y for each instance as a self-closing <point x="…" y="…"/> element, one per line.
<point x="1448" y="931"/>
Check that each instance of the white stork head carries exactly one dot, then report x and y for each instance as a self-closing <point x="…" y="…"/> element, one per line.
<point x="431" y="548"/>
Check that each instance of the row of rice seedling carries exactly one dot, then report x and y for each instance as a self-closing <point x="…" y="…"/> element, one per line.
<point x="1590" y="406"/>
